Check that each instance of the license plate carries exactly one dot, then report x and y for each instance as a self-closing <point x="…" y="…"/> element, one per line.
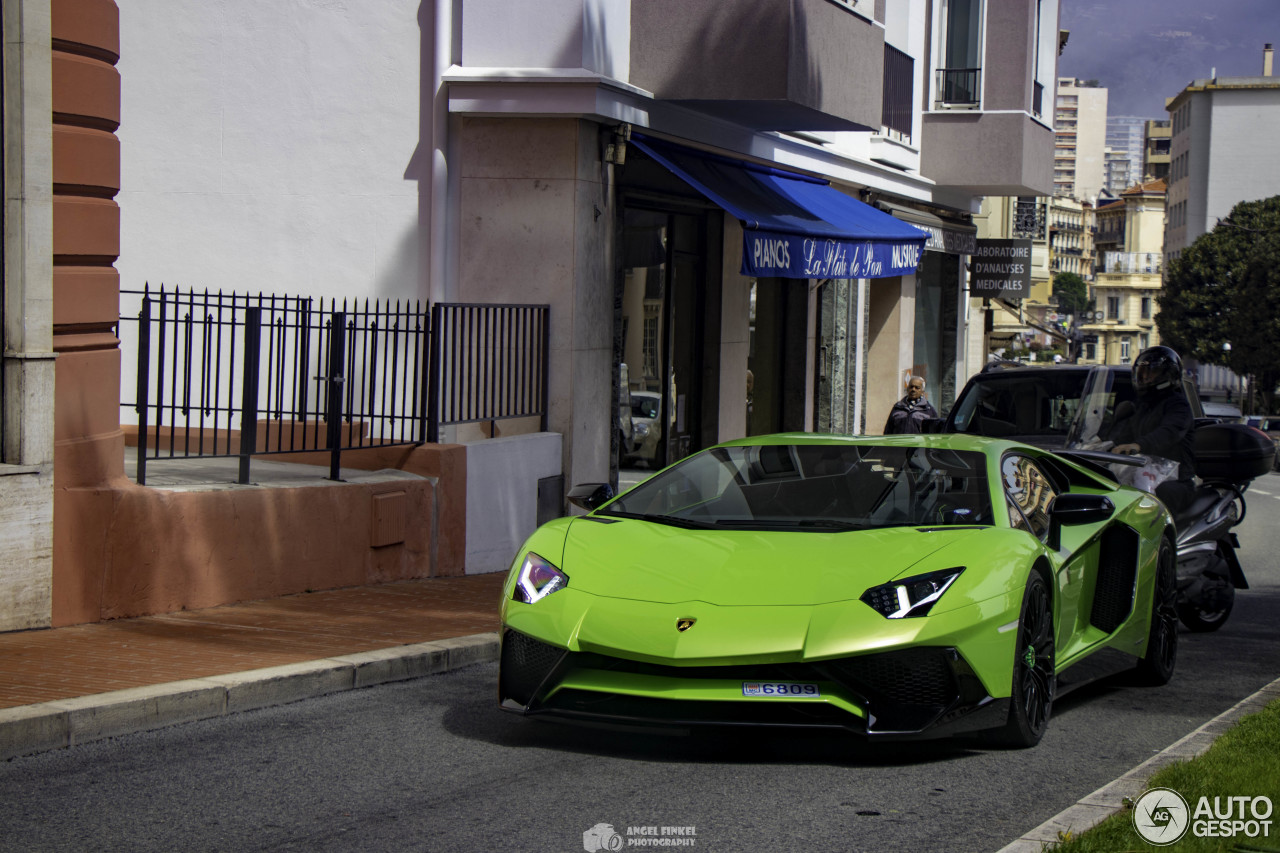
<point x="786" y="689"/>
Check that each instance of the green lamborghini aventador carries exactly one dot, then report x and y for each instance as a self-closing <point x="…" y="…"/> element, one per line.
<point x="889" y="586"/>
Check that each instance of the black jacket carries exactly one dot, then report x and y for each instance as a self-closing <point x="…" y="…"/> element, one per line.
<point x="906" y="416"/>
<point x="1162" y="424"/>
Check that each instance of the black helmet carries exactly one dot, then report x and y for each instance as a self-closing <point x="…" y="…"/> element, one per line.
<point x="1156" y="369"/>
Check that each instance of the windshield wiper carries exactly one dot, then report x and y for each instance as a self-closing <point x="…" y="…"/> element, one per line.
<point x="824" y="523"/>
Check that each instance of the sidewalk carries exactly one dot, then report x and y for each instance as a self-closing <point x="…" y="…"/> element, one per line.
<point x="63" y="686"/>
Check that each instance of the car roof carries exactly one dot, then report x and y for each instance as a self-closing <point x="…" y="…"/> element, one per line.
<point x="947" y="441"/>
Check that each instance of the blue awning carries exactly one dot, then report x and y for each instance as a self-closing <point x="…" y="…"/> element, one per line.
<point x="795" y="226"/>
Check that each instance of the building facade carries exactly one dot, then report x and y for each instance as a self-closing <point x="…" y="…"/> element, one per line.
<point x="1126" y="286"/>
<point x="1124" y="144"/>
<point x="1080" y="123"/>
<point x="1155" y="155"/>
<point x="595" y="156"/>
<point x="1219" y="154"/>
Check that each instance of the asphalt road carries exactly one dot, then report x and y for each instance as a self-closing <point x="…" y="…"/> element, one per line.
<point x="432" y="765"/>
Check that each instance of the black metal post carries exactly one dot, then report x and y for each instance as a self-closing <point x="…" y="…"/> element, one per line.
<point x="249" y="390"/>
<point x="433" y="380"/>
<point x="144" y="381"/>
<point x="337" y="360"/>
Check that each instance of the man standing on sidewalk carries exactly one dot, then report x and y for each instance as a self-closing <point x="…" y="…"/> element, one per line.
<point x="909" y="413"/>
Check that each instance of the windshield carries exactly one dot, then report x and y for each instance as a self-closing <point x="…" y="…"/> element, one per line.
<point x="1034" y="406"/>
<point x="1105" y="390"/>
<point x="644" y="406"/>
<point x="815" y="487"/>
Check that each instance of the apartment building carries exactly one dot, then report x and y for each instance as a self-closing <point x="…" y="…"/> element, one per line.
<point x="1080" y="117"/>
<point x="1220" y="150"/>
<point x="1127" y="283"/>
<point x="1155" y="155"/>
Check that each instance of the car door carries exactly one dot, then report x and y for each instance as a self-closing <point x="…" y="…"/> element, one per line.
<point x="1029" y="490"/>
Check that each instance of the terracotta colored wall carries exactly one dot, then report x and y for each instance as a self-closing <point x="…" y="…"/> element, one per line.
<point x="186" y="550"/>
<point x="86" y="242"/>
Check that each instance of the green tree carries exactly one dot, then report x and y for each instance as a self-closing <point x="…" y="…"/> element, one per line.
<point x="1225" y="289"/>
<point x="1072" y="293"/>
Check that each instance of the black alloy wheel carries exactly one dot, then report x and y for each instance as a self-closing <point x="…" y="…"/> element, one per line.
<point x="1034" y="679"/>
<point x="1211" y="607"/>
<point x="1156" y="666"/>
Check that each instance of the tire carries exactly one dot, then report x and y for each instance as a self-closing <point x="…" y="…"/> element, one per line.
<point x="1034" y="679"/>
<point x="1156" y="666"/>
<point x="1201" y="616"/>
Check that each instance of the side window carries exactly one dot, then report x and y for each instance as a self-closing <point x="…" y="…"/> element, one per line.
<point x="1029" y="492"/>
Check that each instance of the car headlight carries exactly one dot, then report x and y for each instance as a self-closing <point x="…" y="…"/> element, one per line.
<point x="640" y="430"/>
<point x="910" y="596"/>
<point x="537" y="579"/>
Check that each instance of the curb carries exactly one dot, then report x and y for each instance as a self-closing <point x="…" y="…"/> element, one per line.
<point x="62" y="723"/>
<point x="1109" y="799"/>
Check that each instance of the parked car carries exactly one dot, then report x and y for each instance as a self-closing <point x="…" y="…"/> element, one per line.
<point x="884" y="586"/>
<point x="1223" y="411"/>
<point x="646" y="429"/>
<point x="1270" y="424"/>
<point x="1039" y="404"/>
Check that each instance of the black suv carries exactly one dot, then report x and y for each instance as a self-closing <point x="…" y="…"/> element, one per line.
<point x="1045" y="405"/>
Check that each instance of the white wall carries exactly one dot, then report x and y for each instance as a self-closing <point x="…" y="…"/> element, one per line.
<point x="272" y="146"/>
<point x="1243" y="165"/>
<point x="502" y="495"/>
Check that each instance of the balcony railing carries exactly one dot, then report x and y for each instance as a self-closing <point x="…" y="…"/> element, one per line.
<point x="899" y="91"/>
<point x="1132" y="263"/>
<point x="959" y="87"/>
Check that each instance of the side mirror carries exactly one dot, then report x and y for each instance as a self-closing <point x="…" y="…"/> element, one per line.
<point x="932" y="425"/>
<point x="1071" y="509"/>
<point x="588" y="496"/>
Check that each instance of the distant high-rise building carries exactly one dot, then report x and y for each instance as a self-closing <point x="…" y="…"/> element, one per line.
<point x="1222" y="151"/>
<point x="1124" y="141"/>
<point x="1080" y="119"/>
<point x="1118" y="170"/>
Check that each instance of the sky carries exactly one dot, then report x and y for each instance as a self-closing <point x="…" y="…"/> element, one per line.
<point x="1144" y="51"/>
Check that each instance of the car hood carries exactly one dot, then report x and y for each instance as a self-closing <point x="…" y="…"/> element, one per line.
<point x="646" y="561"/>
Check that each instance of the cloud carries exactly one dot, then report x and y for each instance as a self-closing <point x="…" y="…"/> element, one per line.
<point x="1145" y="51"/>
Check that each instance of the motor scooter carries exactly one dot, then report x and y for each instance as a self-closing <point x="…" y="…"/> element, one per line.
<point x="1228" y="458"/>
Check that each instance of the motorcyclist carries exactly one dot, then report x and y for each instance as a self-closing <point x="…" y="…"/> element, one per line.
<point x="1161" y="423"/>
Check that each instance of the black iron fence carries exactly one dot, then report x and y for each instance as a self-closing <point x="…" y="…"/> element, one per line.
<point x="493" y="364"/>
<point x="240" y="375"/>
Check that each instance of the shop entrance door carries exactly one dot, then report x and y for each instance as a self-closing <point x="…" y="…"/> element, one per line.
<point x="662" y="341"/>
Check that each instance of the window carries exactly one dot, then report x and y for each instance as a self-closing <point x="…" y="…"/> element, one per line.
<point x="1113" y="307"/>
<point x="1029" y="493"/>
<point x="1146" y="307"/>
<point x="1124" y="350"/>
<point x="958" y="79"/>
